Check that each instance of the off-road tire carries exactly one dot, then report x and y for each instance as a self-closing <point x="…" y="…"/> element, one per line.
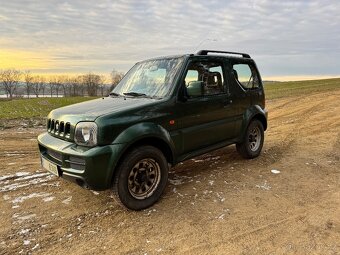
<point x="252" y="143"/>
<point x="132" y="175"/>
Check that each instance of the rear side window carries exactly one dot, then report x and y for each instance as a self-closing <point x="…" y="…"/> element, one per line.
<point x="246" y="76"/>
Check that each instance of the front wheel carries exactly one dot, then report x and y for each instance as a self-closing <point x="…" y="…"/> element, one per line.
<point x="141" y="177"/>
<point x="252" y="143"/>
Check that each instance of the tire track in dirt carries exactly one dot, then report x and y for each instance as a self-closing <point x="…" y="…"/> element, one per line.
<point x="300" y="120"/>
<point x="214" y="204"/>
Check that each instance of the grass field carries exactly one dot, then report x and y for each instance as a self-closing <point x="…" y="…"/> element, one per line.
<point x="40" y="107"/>
<point x="34" y="107"/>
<point x="294" y="88"/>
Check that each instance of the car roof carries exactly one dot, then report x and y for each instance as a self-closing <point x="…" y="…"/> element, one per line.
<point x="204" y="53"/>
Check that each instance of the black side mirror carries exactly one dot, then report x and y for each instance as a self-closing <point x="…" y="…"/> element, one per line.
<point x="195" y="88"/>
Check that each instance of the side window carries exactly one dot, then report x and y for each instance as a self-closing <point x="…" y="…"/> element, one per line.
<point x="246" y="76"/>
<point x="192" y="75"/>
<point x="204" y="78"/>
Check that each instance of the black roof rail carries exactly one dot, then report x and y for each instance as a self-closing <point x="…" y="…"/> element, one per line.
<point x="205" y="52"/>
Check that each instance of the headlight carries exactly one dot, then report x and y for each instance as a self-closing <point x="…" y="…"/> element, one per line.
<point x="86" y="134"/>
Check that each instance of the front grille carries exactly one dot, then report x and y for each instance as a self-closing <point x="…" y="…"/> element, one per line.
<point x="76" y="163"/>
<point x="59" y="128"/>
<point x="55" y="155"/>
<point x="64" y="160"/>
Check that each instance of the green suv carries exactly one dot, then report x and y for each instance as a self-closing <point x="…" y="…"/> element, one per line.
<point x="164" y="111"/>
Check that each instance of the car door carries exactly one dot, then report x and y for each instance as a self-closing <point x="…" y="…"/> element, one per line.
<point x="205" y="118"/>
<point x="245" y="89"/>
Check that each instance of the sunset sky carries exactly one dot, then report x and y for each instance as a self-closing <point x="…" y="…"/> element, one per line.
<point x="288" y="39"/>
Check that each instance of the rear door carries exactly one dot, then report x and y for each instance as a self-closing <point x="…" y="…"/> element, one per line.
<point x="245" y="87"/>
<point x="249" y="79"/>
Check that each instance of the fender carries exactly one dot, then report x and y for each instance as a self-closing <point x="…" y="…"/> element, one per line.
<point x="254" y="111"/>
<point x="144" y="130"/>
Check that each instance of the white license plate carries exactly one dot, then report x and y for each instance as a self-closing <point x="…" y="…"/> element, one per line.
<point x="49" y="166"/>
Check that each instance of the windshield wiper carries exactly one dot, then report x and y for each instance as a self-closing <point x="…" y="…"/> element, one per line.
<point x="114" y="94"/>
<point x="134" y="94"/>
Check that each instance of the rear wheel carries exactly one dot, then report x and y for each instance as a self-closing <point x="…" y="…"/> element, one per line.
<point x="141" y="177"/>
<point x="252" y="143"/>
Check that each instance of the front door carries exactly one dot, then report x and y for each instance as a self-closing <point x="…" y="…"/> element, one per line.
<point x="206" y="118"/>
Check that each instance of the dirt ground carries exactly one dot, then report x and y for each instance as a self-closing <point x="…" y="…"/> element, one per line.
<point x="287" y="201"/>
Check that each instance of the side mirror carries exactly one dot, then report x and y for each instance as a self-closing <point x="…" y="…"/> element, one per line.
<point x="195" y="88"/>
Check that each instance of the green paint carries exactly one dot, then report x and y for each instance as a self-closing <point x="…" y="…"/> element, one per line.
<point x="202" y="122"/>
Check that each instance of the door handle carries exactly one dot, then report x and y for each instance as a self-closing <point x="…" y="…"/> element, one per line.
<point x="227" y="102"/>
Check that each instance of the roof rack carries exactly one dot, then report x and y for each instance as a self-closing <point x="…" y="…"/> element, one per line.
<point x="205" y="52"/>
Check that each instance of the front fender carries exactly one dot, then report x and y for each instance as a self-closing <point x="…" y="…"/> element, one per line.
<point x="144" y="130"/>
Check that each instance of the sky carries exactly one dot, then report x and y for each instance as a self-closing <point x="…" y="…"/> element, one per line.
<point x="289" y="40"/>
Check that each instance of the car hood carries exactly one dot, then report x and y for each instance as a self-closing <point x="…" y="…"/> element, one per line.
<point x="90" y="110"/>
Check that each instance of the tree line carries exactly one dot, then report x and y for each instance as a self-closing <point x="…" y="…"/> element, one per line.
<point x="17" y="83"/>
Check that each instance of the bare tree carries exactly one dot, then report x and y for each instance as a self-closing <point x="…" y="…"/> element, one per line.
<point x="42" y="85"/>
<point x="55" y="84"/>
<point x="75" y="86"/>
<point x="102" y="85"/>
<point x="92" y="82"/>
<point x="116" y="77"/>
<point x="28" y="82"/>
<point x="70" y="91"/>
<point x="81" y="84"/>
<point x="63" y="82"/>
<point x="9" y="79"/>
<point x="58" y="84"/>
<point x="51" y="84"/>
<point x="36" y="85"/>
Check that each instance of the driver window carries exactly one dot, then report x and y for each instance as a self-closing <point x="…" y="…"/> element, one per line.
<point x="192" y="75"/>
<point x="209" y="75"/>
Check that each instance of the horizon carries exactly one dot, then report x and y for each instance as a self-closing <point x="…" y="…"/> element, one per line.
<point x="107" y="76"/>
<point x="286" y="39"/>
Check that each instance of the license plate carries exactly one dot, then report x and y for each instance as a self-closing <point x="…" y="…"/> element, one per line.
<point x="49" y="166"/>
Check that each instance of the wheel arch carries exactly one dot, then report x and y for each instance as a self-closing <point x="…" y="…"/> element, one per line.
<point x="155" y="142"/>
<point x="261" y="118"/>
<point x="255" y="112"/>
<point x="145" y="134"/>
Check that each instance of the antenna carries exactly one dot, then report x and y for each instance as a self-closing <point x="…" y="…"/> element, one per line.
<point x="203" y="41"/>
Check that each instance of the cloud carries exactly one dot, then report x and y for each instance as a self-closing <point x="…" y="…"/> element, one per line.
<point x="286" y="38"/>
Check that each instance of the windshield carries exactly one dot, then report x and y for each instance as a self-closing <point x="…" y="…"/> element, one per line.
<point x="152" y="78"/>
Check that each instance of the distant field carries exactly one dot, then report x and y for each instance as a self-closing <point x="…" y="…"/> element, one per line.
<point x="293" y="88"/>
<point x="35" y="107"/>
<point x="40" y="107"/>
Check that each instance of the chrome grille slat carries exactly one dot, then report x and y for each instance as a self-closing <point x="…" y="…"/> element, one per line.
<point x="59" y="128"/>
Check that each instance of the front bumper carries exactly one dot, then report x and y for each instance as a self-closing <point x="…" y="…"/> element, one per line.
<point x="88" y="167"/>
